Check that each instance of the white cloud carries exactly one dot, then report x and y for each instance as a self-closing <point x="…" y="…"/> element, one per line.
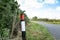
<point x="52" y="13"/>
<point x="33" y="8"/>
<point x="58" y="8"/>
<point x="34" y="3"/>
<point x="50" y="1"/>
<point x="30" y="6"/>
<point x="30" y="3"/>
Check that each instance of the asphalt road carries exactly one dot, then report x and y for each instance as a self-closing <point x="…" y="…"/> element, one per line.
<point x="54" y="29"/>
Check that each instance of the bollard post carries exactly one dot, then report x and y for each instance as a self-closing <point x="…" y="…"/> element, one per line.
<point x="23" y="26"/>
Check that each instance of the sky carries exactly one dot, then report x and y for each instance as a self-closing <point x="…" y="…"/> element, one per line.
<point x="41" y="8"/>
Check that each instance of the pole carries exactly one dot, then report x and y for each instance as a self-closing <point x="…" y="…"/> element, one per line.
<point x="23" y="27"/>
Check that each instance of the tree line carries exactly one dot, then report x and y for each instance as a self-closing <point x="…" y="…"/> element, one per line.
<point x="45" y="19"/>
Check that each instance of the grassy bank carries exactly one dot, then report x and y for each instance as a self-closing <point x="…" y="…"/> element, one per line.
<point x="35" y="31"/>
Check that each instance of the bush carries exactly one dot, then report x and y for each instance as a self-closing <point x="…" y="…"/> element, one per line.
<point x="5" y="34"/>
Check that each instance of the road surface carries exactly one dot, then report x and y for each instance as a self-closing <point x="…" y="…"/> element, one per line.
<point x="54" y="29"/>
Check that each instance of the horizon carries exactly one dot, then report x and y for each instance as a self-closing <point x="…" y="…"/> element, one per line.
<point x="41" y="8"/>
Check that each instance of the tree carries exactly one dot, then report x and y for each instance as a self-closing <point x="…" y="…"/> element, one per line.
<point x="9" y="18"/>
<point x="34" y="18"/>
<point x="8" y="15"/>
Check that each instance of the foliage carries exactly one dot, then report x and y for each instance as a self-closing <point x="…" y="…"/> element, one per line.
<point x="9" y="11"/>
<point x="5" y="34"/>
<point x="53" y="21"/>
<point x="34" y="18"/>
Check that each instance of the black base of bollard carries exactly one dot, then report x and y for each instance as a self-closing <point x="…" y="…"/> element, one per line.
<point x="23" y="35"/>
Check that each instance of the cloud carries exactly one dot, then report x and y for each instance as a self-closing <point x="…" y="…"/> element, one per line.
<point x="33" y="8"/>
<point x="30" y="3"/>
<point x="52" y="13"/>
<point x="58" y="8"/>
<point x="35" y="3"/>
<point x="30" y="6"/>
<point x="51" y="1"/>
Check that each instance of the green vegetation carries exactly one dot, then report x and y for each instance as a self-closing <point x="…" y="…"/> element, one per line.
<point x="34" y="18"/>
<point x="52" y="21"/>
<point x="37" y="32"/>
<point x="9" y="18"/>
<point x="8" y="11"/>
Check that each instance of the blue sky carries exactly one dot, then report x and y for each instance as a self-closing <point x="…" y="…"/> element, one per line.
<point x="41" y="8"/>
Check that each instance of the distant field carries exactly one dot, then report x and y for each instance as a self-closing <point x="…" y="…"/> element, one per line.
<point x="35" y="31"/>
<point x="54" y="22"/>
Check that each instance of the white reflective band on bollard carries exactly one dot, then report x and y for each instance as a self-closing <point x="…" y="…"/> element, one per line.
<point x="23" y="25"/>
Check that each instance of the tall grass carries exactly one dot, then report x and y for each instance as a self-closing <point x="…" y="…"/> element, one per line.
<point x="35" y="31"/>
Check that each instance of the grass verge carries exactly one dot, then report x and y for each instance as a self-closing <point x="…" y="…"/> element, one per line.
<point x="35" y="31"/>
<point x="54" y="22"/>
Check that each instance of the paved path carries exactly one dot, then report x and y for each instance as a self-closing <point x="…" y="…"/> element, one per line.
<point x="53" y="28"/>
